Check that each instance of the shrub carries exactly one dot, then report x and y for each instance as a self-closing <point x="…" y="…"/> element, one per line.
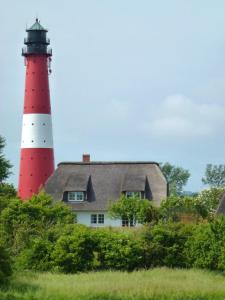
<point x="5" y="265"/>
<point x="37" y="257"/>
<point x="164" y="244"/>
<point x="74" y="250"/>
<point x="21" y="222"/>
<point x="119" y="250"/>
<point x="205" y="248"/>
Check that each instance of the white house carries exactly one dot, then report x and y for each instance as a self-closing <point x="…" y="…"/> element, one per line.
<point x="88" y="187"/>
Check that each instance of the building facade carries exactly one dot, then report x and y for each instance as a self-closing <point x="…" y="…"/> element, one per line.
<point x="89" y="187"/>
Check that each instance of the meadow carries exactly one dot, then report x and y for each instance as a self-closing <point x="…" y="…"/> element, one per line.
<point x="155" y="284"/>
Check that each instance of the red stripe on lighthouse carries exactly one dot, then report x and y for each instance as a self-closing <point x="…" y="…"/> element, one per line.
<point x="37" y="96"/>
<point x="36" y="165"/>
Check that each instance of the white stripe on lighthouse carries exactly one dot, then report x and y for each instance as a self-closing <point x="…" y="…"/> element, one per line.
<point x="37" y="131"/>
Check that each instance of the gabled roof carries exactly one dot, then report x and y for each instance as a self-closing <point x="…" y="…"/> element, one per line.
<point x="37" y="26"/>
<point x="221" y="207"/>
<point x="105" y="181"/>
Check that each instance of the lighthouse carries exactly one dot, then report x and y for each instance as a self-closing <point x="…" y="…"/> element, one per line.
<point x="37" y="155"/>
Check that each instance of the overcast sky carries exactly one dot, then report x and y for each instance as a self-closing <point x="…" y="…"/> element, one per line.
<point x="132" y="80"/>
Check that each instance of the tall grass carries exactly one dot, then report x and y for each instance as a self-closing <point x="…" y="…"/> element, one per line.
<point x="141" y="285"/>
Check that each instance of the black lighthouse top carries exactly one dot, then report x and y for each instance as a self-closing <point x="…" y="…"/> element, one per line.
<point x="36" y="41"/>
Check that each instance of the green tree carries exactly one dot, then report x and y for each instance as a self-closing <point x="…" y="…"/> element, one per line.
<point x="22" y="222"/>
<point x="175" y="206"/>
<point x="177" y="177"/>
<point x="7" y="192"/>
<point x="214" y="175"/>
<point x="134" y="210"/>
<point x="5" y="165"/>
<point x="208" y="200"/>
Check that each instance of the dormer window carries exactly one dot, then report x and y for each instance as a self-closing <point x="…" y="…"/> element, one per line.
<point x="76" y="196"/>
<point x="133" y="194"/>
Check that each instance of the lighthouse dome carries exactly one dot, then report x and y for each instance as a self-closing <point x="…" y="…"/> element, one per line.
<point x="37" y="26"/>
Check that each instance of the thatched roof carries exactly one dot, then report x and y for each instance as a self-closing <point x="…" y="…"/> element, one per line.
<point x="221" y="207"/>
<point x="105" y="181"/>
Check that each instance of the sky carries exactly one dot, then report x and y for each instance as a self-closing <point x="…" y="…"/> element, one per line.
<point x="139" y="80"/>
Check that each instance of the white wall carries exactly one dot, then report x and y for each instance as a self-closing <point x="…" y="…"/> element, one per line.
<point x="84" y="217"/>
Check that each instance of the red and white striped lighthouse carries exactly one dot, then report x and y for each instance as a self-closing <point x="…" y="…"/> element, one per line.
<point x="37" y="155"/>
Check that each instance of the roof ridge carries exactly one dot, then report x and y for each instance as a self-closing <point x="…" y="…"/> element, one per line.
<point x="107" y="163"/>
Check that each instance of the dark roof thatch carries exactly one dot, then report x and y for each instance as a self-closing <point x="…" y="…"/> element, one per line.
<point x="221" y="207"/>
<point x="105" y="181"/>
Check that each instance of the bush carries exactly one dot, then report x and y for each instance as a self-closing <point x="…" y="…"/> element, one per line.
<point x="21" y="222"/>
<point x="119" y="250"/>
<point x="26" y="228"/>
<point x="205" y="249"/>
<point x="164" y="245"/>
<point x="5" y="264"/>
<point x="37" y="257"/>
<point x="74" y="250"/>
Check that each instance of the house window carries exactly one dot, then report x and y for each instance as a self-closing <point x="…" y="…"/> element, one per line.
<point x="94" y="219"/>
<point x="97" y="219"/>
<point x="75" y="196"/>
<point x="100" y="218"/>
<point x="133" y="195"/>
<point x="127" y="222"/>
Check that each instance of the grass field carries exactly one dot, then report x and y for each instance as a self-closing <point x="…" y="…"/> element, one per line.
<point x="153" y="284"/>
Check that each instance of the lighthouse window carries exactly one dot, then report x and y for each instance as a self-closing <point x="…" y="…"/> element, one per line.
<point x="75" y="196"/>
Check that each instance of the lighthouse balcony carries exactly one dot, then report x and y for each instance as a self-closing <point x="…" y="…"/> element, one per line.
<point x="36" y="50"/>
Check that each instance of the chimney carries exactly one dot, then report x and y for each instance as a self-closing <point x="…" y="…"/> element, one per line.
<point x="86" y="157"/>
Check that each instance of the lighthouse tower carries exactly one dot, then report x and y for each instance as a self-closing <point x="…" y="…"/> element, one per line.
<point x="37" y="156"/>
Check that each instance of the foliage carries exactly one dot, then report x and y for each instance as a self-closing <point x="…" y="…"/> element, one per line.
<point x="214" y="175"/>
<point x="119" y="250"/>
<point x="164" y="245"/>
<point x="205" y="248"/>
<point x="175" y="206"/>
<point x="134" y="210"/>
<point x="41" y="236"/>
<point x="22" y="222"/>
<point x="74" y="250"/>
<point x="177" y="177"/>
<point x="5" y="165"/>
<point x="36" y="257"/>
<point x="5" y="263"/>
<point x="7" y="192"/>
<point x="201" y="206"/>
<point x="207" y="201"/>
